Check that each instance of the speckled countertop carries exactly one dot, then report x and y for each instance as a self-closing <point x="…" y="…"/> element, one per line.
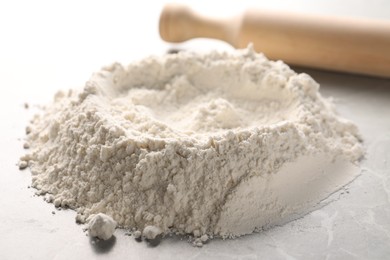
<point x="47" y="46"/>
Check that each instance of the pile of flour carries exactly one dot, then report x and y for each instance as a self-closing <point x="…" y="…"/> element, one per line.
<point x="216" y="144"/>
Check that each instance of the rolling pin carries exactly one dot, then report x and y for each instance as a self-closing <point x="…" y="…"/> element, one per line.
<point x="332" y="43"/>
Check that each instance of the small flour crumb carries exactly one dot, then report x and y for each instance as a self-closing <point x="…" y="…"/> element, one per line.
<point x="151" y="232"/>
<point x="137" y="234"/>
<point x="204" y="238"/>
<point x="206" y="145"/>
<point x="23" y="165"/>
<point x="197" y="242"/>
<point x="28" y="130"/>
<point x="101" y="226"/>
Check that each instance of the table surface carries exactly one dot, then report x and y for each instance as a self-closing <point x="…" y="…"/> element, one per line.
<point x="48" y="46"/>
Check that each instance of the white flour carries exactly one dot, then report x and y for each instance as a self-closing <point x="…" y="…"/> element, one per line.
<point x="101" y="226"/>
<point x="218" y="144"/>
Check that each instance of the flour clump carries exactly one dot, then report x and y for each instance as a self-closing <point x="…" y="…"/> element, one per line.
<point x="212" y="144"/>
<point x="151" y="232"/>
<point x="101" y="226"/>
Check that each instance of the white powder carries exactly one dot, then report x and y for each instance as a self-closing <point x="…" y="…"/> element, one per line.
<point x="101" y="226"/>
<point x="220" y="144"/>
<point x="151" y="232"/>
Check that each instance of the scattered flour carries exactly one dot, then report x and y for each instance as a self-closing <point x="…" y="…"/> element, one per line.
<point x="101" y="226"/>
<point x="217" y="144"/>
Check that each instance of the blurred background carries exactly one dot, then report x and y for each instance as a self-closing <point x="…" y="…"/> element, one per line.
<point x="58" y="44"/>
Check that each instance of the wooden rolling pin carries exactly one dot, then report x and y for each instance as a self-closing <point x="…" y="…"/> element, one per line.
<point x="332" y="43"/>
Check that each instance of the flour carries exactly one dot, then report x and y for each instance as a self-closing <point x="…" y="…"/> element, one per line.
<point x="217" y="144"/>
<point x="151" y="232"/>
<point x="101" y="226"/>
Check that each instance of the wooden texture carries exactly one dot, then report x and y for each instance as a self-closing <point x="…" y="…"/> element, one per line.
<point x="333" y="43"/>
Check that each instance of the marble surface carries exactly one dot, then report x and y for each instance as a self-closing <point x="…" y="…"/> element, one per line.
<point x="35" y="64"/>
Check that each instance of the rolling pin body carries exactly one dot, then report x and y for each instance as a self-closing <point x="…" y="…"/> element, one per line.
<point x="339" y="44"/>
